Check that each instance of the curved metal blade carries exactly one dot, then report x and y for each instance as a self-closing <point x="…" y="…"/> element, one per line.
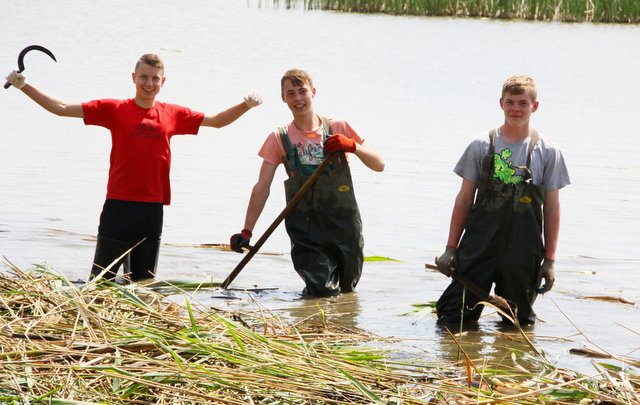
<point x="31" y="48"/>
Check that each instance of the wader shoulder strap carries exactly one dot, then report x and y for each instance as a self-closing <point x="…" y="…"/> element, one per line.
<point x="527" y="176"/>
<point x="486" y="171"/>
<point x="289" y="160"/>
<point x="327" y="132"/>
<point x="532" y="144"/>
<point x="326" y="129"/>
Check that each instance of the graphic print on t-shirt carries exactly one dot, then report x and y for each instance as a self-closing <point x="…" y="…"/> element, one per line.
<point x="310" y="154"/>
<point x="503" y="169"/>
<point x="146" y="129"/>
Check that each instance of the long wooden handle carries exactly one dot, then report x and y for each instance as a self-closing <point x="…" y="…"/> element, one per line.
<point x="470" y="285"/>
<point x="477" y="290"/>
<point x="294" y="201"/>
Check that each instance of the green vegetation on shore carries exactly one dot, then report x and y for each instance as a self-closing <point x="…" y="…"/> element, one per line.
<point x="603" y="11"/>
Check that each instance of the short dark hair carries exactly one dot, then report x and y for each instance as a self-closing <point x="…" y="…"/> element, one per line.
<point x="150" y="59"/>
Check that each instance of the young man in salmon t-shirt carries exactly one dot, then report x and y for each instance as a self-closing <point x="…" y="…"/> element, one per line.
<point x="138" y="186"/>
<point x="325" y="226"/>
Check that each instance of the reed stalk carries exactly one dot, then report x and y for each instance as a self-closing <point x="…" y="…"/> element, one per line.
<point x="602" y="11"/>
<point x="109" y="343"/>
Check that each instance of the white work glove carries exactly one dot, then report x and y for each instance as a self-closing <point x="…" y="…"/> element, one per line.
<point x="446" y="262"/>
<point x="252" y="100"/>
<point x="16" y="79"/>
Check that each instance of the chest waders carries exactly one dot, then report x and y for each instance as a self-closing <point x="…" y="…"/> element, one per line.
<point x="325" y="227"/>
<point x="502" y="244"/>
<point x="122" y="225"/>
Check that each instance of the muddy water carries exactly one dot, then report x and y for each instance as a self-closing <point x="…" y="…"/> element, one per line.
<point x="417" y="89"/>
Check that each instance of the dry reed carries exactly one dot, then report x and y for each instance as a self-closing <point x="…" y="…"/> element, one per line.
<point x="109" y="343"/>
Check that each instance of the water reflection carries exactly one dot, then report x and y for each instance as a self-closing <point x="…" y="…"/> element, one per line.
<point x="494" y="342"/>
<point x="342" y="310"/>
<point x="291" y="307"/>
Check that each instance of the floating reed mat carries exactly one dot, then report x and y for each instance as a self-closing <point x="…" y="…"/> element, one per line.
<point x="117" y="344"/>
<point x="610" y="11"/>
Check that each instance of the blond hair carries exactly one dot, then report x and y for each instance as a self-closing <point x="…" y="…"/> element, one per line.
<point x="150" y="59"/>
<point x="298" y="77"/>
<point x="517" y="85"/>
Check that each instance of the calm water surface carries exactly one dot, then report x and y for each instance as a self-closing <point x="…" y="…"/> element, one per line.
<point x="418" y="89"/>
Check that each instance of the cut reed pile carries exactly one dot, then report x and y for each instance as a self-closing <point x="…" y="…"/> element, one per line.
<point x="116" y="344"/>
<point x="609" y="11"/>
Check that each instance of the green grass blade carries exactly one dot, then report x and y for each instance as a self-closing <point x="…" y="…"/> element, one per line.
<point x="367" y="392"/>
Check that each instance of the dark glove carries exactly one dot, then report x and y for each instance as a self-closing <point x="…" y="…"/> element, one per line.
<point x="338" y="142"/>
<point x="446" y="262"/>
<point x="240" y="240"/>
<point x="546" y="272"/>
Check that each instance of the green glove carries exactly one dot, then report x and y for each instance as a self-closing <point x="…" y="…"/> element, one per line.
<point x="545" y="273"/>
<point x="446" y="262"/>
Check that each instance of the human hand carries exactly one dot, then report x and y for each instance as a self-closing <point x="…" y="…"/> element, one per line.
<point x="16" y="79"/>
<point x="546" y="272"/>
<point x="446" y="262"/>
<point x="240" y="240"/>
<point x="338" y="142"/>
<point x="252" y="100"/>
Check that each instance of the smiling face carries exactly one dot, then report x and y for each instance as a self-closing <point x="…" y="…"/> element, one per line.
<point x="519" y="100"/>
<point x="518" y="108"/>
<point x="148" y="80"/>
<point x="299" y="97"/>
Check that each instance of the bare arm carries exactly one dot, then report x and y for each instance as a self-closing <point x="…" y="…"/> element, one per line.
<point x="225" y="117"/>
<point x="53" y="104"/>
<point x="259" y="195"/>
<point x="370" y="158"/>
<point x="551" y="212"/>
<point x="461" y="208"/>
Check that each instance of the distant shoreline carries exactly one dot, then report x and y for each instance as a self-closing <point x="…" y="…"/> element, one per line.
<point x="595" y="11"/>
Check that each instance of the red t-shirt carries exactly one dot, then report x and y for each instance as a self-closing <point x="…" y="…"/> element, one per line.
<point x="140" y="145"/>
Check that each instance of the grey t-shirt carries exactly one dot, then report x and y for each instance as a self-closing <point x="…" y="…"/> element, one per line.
<point x="547" y="165"/>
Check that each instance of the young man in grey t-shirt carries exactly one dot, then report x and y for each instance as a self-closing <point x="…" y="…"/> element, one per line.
<point x="509" y="209"/>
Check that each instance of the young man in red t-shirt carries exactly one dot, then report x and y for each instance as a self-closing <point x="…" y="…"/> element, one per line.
<point x="138" y="185"/>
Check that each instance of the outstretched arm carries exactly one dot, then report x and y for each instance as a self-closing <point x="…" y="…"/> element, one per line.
<point x="50" y="103"/>
<point x="231" y="114"/>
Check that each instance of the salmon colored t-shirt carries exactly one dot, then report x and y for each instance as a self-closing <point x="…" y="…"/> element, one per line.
<point x="308" y="144"/>
<point x="140" y="145"/>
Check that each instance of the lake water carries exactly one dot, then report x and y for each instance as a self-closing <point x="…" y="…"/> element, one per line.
<point x="418" y="89"/>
